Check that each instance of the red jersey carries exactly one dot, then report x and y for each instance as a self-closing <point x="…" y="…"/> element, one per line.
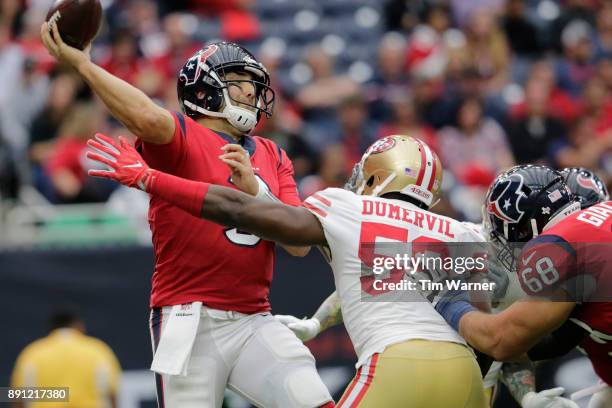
<point x="196" y="259"/>
<point x="576" y="255"/>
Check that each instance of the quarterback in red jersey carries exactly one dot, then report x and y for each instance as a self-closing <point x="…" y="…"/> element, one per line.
<point x="210" y="325"/>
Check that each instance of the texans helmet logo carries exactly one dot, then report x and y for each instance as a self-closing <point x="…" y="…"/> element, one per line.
<point x="504" y="200"/>
<point x="191" y="71"/>
<point x="587" y="182"/>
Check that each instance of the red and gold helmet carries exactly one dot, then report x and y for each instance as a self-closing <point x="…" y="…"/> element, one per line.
<point x="401" y="164"/>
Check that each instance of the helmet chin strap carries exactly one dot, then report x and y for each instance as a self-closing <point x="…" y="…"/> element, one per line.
<point x="242" y="119"/>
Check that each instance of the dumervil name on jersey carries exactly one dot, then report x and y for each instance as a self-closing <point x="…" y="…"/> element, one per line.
<point x="417" y="218"/>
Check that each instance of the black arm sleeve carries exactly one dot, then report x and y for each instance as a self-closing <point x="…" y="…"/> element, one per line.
<point x="558" y="343"/>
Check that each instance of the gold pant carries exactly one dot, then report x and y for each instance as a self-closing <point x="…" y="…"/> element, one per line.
<point x="415" y="374"/>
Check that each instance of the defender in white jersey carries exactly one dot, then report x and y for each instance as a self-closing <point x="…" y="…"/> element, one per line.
<point x="408" y="355"/>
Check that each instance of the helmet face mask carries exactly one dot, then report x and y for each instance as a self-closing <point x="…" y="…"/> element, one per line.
<point x="399" y="164"/>
<point x="202" y="86"/>
<point x="352" y="184"/>
<point x="264" y="95"/>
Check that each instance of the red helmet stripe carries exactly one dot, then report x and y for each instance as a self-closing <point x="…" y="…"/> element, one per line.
<point x="423" y="163"/>
<point x="434" y="170"/>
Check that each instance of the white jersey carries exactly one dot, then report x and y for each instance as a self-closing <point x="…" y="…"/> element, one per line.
<point x="350" y="221"/>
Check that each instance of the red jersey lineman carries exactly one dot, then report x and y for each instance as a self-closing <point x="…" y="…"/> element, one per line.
<point x="209" y="323"/>
<point x="564" y="267"/>
<point x="576" y="255"/>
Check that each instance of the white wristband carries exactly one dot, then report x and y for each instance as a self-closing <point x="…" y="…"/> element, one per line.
<point x="264" y="192"/>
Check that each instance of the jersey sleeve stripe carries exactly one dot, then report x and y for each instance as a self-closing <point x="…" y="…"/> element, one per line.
<point x="322" y="199"/>
<point x="550" y="239"/>
<point x="280" y="155"/>
<point x="181" y="120"/>
<point x="314" y="209"/>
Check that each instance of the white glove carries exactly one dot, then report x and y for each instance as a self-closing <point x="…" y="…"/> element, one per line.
<point x="547" y="399"/>
<point x="304" y="329"/>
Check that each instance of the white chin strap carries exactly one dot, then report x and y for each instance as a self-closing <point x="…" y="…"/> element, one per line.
<point x="242" y="119"/>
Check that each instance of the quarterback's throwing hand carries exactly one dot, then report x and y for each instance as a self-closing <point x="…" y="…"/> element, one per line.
<point x="61" y="51"/>
<point x="304" y="329"/>
<point x="128" y="167"/>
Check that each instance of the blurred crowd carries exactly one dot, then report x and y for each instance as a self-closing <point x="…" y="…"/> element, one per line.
<point x="486" y="83"/>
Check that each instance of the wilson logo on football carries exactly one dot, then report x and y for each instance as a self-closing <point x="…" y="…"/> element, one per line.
<point x="505" y="199"/>
<point x="54" y="19"/>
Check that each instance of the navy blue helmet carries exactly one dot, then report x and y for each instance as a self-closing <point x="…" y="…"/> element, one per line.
<point x="202" y="86"/>
<point x="585" y="185"/>
<point x="524" y="200"/>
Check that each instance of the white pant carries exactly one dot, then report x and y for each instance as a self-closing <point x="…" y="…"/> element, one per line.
<point x="254" y="355"/>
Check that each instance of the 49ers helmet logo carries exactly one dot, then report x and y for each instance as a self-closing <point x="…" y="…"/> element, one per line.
<point x="503" y="202"/>
<point x="382" y="145"/>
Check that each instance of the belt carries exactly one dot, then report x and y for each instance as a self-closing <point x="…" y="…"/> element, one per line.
<point x="222" y="314"/>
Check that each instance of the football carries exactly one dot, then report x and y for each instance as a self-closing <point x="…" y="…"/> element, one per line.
<point x="78" y="21"/>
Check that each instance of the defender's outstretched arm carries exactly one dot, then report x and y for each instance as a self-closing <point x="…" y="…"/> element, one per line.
<point x="223" y="205"/>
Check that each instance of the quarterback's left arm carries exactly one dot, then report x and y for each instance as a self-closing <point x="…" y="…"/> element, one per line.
<point x="511" y="333"/>
<point x="225" y="206"/>
<point x="243" y="177"/>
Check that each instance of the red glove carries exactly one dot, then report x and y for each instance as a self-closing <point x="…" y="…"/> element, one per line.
<point x="128" y="166"/>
